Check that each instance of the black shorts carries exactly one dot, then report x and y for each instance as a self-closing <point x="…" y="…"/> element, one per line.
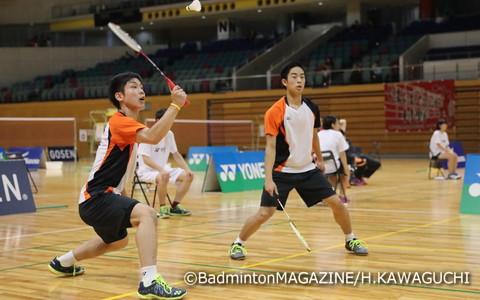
<point x="312" y="186"/>
<point x="109" y="215"/>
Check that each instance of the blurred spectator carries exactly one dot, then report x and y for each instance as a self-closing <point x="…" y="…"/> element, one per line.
<point x="327" y="72"/>
<point x="376" y="73"/>
<point x="356" y="75"/>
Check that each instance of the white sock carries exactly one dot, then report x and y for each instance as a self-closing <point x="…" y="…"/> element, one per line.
<point x="148" y="274"/>
<point x="67" y="260"/>
<point x="349" y="237"/>
<point x="239" y="241"/>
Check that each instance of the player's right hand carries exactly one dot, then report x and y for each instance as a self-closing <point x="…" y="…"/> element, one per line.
<point x="271" y="188"/>
<point x="178" y="96"/>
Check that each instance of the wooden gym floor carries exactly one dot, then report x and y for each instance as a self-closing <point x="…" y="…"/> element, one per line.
<point x="411" y="224"/>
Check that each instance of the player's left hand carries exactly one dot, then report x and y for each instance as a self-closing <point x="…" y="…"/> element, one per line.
<point x="320" y="166"/>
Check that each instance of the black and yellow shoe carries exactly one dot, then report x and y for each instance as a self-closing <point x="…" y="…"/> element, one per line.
<point x="179" y="211"/>
<point x="358" y="247"/>
<point x="237" y="251"/>
<point x="159" y="289"/>
<point x="57" y="269"/>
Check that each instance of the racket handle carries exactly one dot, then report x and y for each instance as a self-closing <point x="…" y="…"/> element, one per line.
<point x="171" y="85"/>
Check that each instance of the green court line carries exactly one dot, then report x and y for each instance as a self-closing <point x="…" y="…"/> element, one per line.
<point x="81" y="241"/>
<point x="51" y="206"/>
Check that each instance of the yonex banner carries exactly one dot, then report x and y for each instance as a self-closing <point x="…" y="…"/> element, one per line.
<point x="32" y="156"/>
<point x="235" y="171"/>
<point x="66" y="153"/>
<point x="2" y="153"/>
<point x="198" y="157"/>
<point x="471" y="186"/>
<point x="15" y="193"/>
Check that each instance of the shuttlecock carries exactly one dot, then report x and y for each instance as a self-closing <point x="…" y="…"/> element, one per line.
<point x="195" y="6"/>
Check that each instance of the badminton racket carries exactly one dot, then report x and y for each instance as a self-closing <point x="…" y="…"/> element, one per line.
<point x="130" y="42"/>
<point x="300" y="237"/>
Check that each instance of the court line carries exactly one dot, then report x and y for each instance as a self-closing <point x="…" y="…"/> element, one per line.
<point x="43" y="233"/>
<point x="305" y="253"/>
<point x="87" y="227"/>
<point x="425" y="249"/>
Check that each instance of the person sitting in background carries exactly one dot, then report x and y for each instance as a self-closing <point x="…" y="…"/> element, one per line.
<point x="363" y="165"/>
<point x="376" y="73"/>
<point x="152" y="168"/>
<point x="331" y="139"/>
<point x="356" y="75"/>
<point x="439" y="147"/>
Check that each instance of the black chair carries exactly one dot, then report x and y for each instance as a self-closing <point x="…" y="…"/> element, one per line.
<point x="435" y="163"/>
<point x="137" y="181"/>
<point x="328" y="155"/>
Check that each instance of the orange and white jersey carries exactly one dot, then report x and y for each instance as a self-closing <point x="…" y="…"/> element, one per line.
<point x="116" y="157"/>
<point x="294" y="131"/>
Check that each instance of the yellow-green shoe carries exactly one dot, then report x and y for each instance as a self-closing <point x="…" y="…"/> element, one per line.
<point x="159" y="289"/>
<point x="237" y="251"/>
<point x="163" y="212"/>
<point x="179" y="211"/>
<point x="57" y="269"/>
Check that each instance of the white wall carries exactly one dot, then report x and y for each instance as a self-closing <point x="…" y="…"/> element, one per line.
<point x="25" y="63"/>
<point x="454" y="39"/>
<point x="460" y="69"/>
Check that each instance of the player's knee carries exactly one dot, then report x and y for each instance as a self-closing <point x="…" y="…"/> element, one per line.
<point x="264" y="214"/>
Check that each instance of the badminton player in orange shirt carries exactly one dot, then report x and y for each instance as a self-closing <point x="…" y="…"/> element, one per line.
<point x="291" y="130"/>
<point x="102" y="204"/>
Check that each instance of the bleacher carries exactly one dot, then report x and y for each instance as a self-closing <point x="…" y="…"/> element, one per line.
<point x="205" y="70"/>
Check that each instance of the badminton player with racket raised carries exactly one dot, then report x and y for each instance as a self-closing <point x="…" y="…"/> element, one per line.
<point x="103" y="204"/>
<point x="291" y="126"/>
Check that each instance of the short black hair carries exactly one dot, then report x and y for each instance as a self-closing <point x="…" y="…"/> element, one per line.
<point x="328" y="121"/>
<point x="286" y="69"/>
<point x="117" y="84"/>
<point x="159" y="114"/>
<point x="440" y="122"/>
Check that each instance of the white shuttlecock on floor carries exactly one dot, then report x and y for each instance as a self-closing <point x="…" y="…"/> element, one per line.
<point x="195" y="6"/>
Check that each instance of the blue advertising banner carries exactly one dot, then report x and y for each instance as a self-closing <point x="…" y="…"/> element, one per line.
<point x="471" y="186"/>
<point x="15" y="193"/>
<point x="2" y="153"/>
<point x="198" y="157"/>
<point x="31" y="155"/>
<point x="235" y="171"/>
<point x="66" y="153"/>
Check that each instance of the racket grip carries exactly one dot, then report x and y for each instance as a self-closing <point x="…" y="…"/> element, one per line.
<point x="171" y="85"/>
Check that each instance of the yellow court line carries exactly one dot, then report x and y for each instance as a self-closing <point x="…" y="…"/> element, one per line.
<point x="425" y="249"/>
<point x="304" y="253"/>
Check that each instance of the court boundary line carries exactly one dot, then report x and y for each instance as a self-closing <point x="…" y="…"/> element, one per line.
<point x="306" y="252"/>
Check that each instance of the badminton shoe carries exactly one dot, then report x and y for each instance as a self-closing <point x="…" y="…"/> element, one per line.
<point x="358" y="247"/>
<point x="344" y="200"/>
<point x="237" y="252"/>
<point x="57" y="269"/>
<point x="179" y="211"/>
<point x="163" y="212"/>
<point x="159" y="289"/>
<point x="453" y="176"/>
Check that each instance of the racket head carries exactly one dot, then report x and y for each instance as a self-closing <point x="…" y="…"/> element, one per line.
<point x="125" y="37"/>
<point x="300" y="237"/>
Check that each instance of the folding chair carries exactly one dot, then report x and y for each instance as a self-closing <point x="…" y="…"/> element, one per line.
<point x="328" y="155"/>
<point x="18" y="156"/>
<point x="137" y="181"/>
<point x="435" y="163"/>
